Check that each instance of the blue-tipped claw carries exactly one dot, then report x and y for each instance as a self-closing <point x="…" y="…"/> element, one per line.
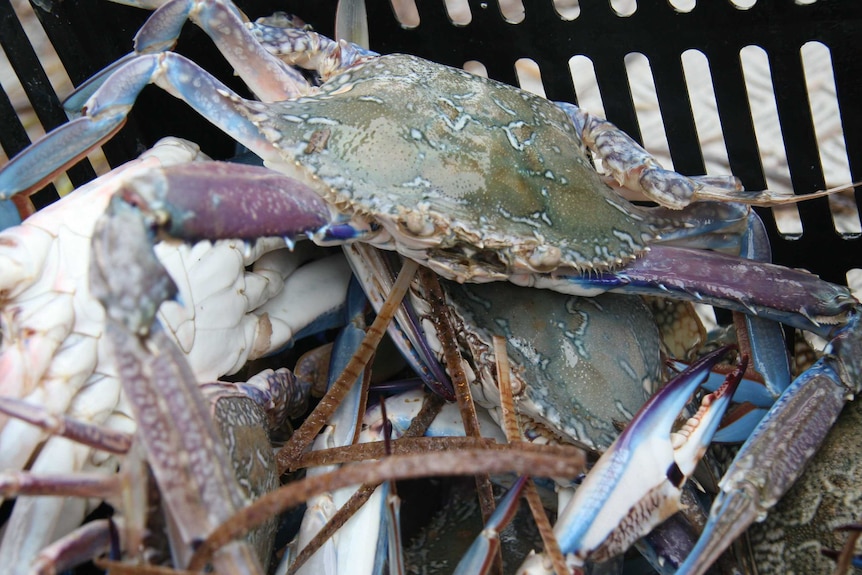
<point x="636" y="484"/>
<point x="784" y="441"/>
<point x="803" y="301"/>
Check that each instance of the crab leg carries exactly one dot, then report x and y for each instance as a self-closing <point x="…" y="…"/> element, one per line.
<point x="267" y="76"/>
<point x="785" y="440"/>
<point x="763" y="339"/>
<point x="308" y="49"/>
<point x="636" y="483"/>
<point x="253" y="50"/>
<point x="372" y="269"/>
<point x="105" y="439"/>
<point x="633" y="168"/>
<point x="803" y="300"/>
<point x="106" y="112"/>
<point x="768" y="347"/>
<point x="200" y="491"/>
<point x="91" y="540"/>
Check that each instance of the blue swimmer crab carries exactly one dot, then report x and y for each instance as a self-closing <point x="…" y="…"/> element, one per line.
<point x="476" y="180"/>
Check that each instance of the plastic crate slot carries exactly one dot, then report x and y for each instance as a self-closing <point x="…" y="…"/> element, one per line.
<point x="459" y="12"/>
<point x="854" y="281"/>
<point x="406" y="13"/>
<point x="624" y="8"/>
<point x="826" y="115"/>
<point x="567" y="9"/>
<point x="701" y="92"/>
<point x="476" y="67"/>
<point x="587" y="91"/>
<point x="19" y="114"/>
<point x="683" y="6"/>
<point x="767" y="128"/>
<point x="512" y="10"/>
<point x="529" y="76"/>
<point x="743" y="4"/>
<point x="588" y="95"/>
<point x="646" y="103"/>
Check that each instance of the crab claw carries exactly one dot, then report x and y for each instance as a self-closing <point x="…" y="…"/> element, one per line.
<point x="781" y="445"/>
<point x="637" y="483"/>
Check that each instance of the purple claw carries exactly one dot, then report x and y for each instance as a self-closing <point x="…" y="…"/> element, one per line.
<point x="794" y="297"/>
<point x="218" y="200"/>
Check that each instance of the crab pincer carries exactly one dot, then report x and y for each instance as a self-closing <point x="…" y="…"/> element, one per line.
<point x="220" y="200"/>
<point x="781" y="445"/>
<point x="637" y="483"/>
<point x="198" y="491"/>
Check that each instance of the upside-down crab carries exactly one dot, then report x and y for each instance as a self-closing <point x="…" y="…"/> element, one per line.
<point x="476" y="180"/>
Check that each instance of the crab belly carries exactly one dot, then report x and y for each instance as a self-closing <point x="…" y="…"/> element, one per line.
<point x="483" y="179"/>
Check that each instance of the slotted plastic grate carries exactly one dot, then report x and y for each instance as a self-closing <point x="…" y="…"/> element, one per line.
<point x="88" y="34"/>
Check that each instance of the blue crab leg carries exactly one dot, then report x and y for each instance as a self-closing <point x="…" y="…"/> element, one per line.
<point x="765" y="341"/>
<point x="75" y="103"/>
<point x="769" y="355"/>
<point x="220" y="200"/>
<point x="309" y="49"/>
<point x="58" y="424"/>
<point x="41" y="161"/>
<point x="717" y="226"/>
<point x="636" y="484"/>
<point x="784" y="441"/>
<point x="633" y="168"/>
<point x="106" y="112"/>
<point x="107" y="109"/>
<point x="91" y="540"/>
<point x="268" y="77"/>
<point x="803" y="300"/>
<point x="766" y="344"/>
<point x="200" y="200"/>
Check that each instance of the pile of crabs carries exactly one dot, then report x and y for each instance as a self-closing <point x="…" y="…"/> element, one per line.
<point x="546" y="324"/>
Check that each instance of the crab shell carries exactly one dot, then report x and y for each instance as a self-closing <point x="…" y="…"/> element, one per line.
<point x="584" y="363"/>
<point x="474" y="178"/>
